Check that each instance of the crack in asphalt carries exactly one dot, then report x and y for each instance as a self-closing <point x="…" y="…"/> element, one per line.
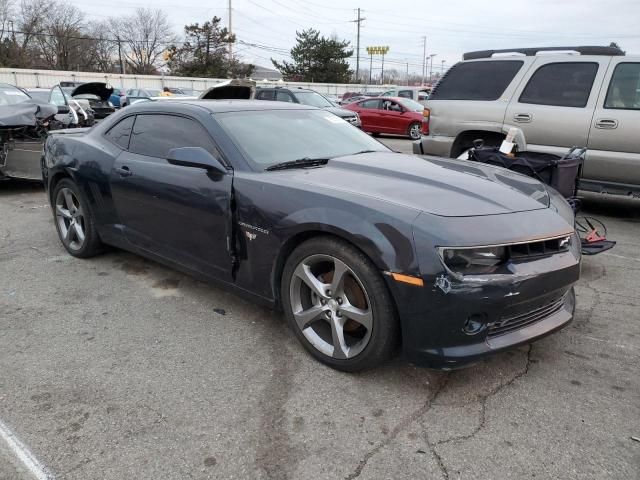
<point x="484" y="399"/>
<point x="415" y="416"/>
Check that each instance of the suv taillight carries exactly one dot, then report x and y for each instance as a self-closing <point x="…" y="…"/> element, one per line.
<point x="426" y="114"/>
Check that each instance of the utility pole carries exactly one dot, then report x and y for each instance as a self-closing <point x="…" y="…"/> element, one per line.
<point x="431" y="68"/>
<point x="407" y="74"/>
<point x="120" y="55"/>
<point x="442" y="74"/>
<point x="370" y="67"/>
<point x="359" y="20"/>
<point x="424" y="58"/>
<point x="230" y="33"/>
<point x="382" y="73"/>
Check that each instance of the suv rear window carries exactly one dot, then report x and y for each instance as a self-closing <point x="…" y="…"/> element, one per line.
<point x="561" y="84"/>
<point x="486" y="80"/>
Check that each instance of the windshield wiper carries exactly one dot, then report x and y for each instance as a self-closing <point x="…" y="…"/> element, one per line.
<point x="299" y="163"/>
<point x="366" y="151"/>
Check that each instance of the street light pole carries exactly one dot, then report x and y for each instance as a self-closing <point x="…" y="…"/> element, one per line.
<point x="431" y="68"/>
<point x="370" y="68"/>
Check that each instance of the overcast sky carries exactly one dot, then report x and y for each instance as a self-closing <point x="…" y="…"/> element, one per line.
<point x="452" y="27"/>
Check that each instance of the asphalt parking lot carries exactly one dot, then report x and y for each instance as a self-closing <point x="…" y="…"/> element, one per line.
<point x="116" y="367"/>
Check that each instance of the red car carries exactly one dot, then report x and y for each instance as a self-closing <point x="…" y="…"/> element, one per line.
<point x="399" y="116"/>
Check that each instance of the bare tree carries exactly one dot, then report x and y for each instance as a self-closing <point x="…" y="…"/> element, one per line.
<point x="105" y="48"/>
<point x="6" y="17"/>
<point x="65" y="45"/>
<point x="145" y="34"/>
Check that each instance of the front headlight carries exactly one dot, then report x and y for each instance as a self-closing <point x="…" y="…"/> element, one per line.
<point x="473" y="261"/>
<point x="110" y="104"/>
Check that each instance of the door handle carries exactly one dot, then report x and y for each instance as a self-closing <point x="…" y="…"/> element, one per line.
<point x="124" y="171"/>
<point x="608" y="123"/>
<point x="522" y="117"/>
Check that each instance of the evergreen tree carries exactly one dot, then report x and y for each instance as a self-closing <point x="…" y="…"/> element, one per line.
<point x="317" y="59"/>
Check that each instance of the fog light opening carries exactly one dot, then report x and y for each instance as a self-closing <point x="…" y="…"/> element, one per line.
<point x="475" y="323"/>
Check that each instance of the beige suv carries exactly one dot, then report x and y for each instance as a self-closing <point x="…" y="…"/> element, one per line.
<point x="559" y="97"/>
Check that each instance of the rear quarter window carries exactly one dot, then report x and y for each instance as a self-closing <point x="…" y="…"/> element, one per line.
<point x="485" y="80"/>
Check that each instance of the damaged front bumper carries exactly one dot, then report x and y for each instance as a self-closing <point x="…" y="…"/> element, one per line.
<point x="455" y="319"/>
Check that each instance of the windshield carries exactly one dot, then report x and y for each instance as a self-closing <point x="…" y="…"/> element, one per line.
<point x="153" y="93"/>
<point x="412" y="105"/>
<point x="284" y="135"/>
<point x="313" y="99"/>
<point x="10" y="95"/>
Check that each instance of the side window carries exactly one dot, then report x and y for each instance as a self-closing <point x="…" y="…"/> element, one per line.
<point x="132" y="93"/>
<point x="121" y="131"/>
<point x="388" y="93"/>
<point x="57" y="97"/>
<point x="283" y="96"/>
<point x="624" y="89"/>
<point x="481" y="80"/>
<point x="265" y="95"/>
<point x="155" y="135"/>
<point x="370" y="104"/>
<point x="391" y="106"/>
<point x="406" y="94"/>
<point x="561" y="84"/>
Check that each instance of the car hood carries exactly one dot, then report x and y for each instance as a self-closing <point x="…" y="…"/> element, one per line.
<point x="238" y="89"/>
<point x="341" y="112"/>
<point x="25" y="113"/>
<point x="444" y="187"/>
<point x="101" y="89"/>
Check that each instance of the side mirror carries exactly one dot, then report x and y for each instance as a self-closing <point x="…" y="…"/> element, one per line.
<point x="196" y="157"/>
<point x="64" y="109"/>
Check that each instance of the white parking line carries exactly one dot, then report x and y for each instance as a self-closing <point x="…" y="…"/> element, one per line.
<point x="30" y="463"/>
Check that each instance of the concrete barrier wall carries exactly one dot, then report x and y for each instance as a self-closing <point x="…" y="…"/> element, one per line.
<point x="48" y="78"/>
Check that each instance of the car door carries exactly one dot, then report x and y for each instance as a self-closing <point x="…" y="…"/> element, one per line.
<point x="57" y="98"/>
<point x="614" y="139"/>
<point x="369" y="113"/>
<point x="555" y="106"/>
<point x="177" y="212"/>
<point x="392" y="119"/>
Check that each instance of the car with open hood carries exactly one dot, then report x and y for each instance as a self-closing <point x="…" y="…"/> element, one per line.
<point x="361" y="247"/>
<point x="97" y="94"/>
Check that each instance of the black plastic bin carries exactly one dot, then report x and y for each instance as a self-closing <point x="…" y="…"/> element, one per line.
<point x="561" y="173"/>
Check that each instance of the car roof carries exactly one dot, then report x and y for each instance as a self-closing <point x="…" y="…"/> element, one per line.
<point x="218" y="106"/>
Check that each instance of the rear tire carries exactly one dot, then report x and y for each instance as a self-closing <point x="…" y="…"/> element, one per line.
<point x="338" y="305"/>
<point x="74" y="220"/>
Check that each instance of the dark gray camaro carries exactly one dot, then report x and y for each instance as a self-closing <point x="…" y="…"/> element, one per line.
<point x="362" y="248"/>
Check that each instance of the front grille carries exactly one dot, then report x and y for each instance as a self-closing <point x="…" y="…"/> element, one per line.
<point x="523" y="251"/>
<point x="510" y="324"/>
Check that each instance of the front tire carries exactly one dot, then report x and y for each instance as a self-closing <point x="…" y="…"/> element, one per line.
<point x="74" y="220"/>
<point x="338" y="305"/>
<point x="415" y="131"/>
